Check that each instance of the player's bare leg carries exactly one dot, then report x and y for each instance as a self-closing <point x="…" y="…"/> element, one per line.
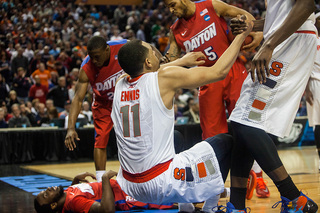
<point x="100" y="159"/>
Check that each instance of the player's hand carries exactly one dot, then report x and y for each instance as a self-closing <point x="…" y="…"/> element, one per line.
<point x="309" y="96"/>
<point x="165" y="59"/>
<point x="192" y="59"/>
<point x="109" y="174"/>
<point x="260" y="64"/>
<point x="257" y="38"/>
<point x="69" y="140"/>
<point x="82" y="177"/>
<point x="238" y="25"/>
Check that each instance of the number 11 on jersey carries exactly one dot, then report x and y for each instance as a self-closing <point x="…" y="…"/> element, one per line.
<point x="126" y="120"/>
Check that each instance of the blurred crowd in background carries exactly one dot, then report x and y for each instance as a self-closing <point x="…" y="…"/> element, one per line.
<point x="43" y="43"/>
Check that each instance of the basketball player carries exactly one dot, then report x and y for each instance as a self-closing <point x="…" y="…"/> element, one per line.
<point x="201" y="27"/>
<point x="313" y="93"/>
<point x="94" y="197"/>
<point x="269" y="101"/>
<point x="143" y="117"/>
<point x="100" y="69"/>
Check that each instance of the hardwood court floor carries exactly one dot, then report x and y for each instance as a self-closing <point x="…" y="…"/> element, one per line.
<point x="301" y="163"/>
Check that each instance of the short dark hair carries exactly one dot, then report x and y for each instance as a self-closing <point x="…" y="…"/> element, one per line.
<point x="96" y="42"/>
<point x="46" y="208"/>
<point x="131" y="57"/>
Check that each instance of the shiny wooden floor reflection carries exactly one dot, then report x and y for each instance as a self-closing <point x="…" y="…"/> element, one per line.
<point x="302" y="164"/>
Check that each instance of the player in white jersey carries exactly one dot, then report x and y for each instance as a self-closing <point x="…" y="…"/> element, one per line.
<point x="313" y="93"/>
<point x="143" y="118"/>
<point x="282" y="67"/>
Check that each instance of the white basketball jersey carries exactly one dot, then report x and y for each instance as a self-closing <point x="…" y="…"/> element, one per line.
<point x="316" y="67"/>
<point x="143" y="125"/>
<point x="277" y="12"/>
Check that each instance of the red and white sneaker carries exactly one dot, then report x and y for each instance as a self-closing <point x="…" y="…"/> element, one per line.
<point x="262" y="190"/>
<point x="252" y="182"/>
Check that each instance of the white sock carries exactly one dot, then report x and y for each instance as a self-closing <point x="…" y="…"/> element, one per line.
<point x="210" y="204"/>
<point x="256" y="168"/>
<point x="186" y="207"/>
<point x="99" y="174"/>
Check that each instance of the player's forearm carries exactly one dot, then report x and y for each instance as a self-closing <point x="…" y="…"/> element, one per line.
<point x="107" y="199"/>
<point x="74" y="112"/>
<point x="258" y="25"/>
<point x="227" y="59"/>
<point x="300" y="12"/>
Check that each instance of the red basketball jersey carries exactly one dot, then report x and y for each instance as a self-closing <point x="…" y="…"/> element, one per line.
<point x="205" y="31"/>
<point x="80" y="198"/>
<point x="103" y="79"/>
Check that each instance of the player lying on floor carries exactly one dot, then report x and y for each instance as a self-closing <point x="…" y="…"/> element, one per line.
<point x="82" y="196"/>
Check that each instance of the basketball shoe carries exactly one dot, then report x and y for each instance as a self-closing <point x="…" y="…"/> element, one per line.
<point x="262" y="190"/>
<point x="301" y="204"/>
<point x="251" y="185"/>
<point x="230" y="209"/>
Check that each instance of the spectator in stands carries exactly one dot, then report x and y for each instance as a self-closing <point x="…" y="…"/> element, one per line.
<point x="59" y="94"/>
<point x="21" y="84"/>
<point x="86" y="110"/>
<point x="74" y="75"/>
<point x="51" y="64"/>
<point x="38" y="90"/>
<point x="25" y="111"/>
<point x="12" y="99"/>
<point x="28" y="52"/>
<point x="35" y="103"/>
<point x="71" y="90"/>
<point x="3" y="123"/>
<point x="7" y="115"/>
<point x="18" y="120"/>
<point x="19" y="61"/>
<point x="5" y="66"/>
<point x="49" y="103"/>
<point x="66" y="110"/>
<point x="64" y="59"/>
<point x="43" y="74"/>
<point x="45" y="56"/>
<point x="4" y="88"/>
<point x="193" y="112"/>
<point x="61" y="69"/>
<point x="76" y="59"/>
<point x="52" y="114"/>
<point x="35" y="62"/>
<point x="55" y="51"/>
<point x="41" y="114"/>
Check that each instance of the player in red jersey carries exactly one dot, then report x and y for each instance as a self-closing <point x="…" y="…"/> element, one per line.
<point x="105" y="196"/>
<point x="201" y="27"/>
<point x="100" y="69"/>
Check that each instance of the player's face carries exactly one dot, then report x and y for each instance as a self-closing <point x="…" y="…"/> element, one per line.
<point x="99" y="56"/>
<point x="177" y="7"/>
<point x="154" y="56"/>
<point x="50" y="195"/>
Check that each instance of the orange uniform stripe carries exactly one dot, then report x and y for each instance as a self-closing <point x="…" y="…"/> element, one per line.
<point x="258" y="104"/>
<point x="202" y="170"/>
<point x="147" y="175"/>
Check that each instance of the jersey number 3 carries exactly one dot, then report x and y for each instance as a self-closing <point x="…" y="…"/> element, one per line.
<point x="136" y="120"/>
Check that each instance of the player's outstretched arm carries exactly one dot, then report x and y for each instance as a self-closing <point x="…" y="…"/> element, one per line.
<point x="107" y="204"/>
<point x="300" y="12"/>
<point x="80" y="92"/>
